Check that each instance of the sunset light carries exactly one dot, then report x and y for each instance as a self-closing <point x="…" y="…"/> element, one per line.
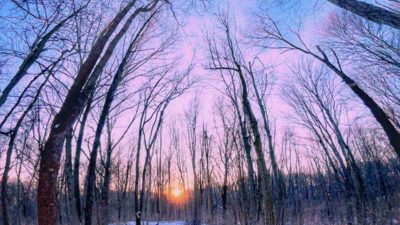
<point x="199" y="112"/>
<point x="177" y="192"/>
<point x="177" y="195"/>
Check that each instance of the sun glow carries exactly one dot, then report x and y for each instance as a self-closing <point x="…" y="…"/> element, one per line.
<point x="177" y="195"/>
<point x="177" y="192"/>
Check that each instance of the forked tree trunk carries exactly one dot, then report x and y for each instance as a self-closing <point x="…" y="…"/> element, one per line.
<point x="247" y="150"/>
<point x="63" y="121"/>
<point x="91" y="175"/>
<point x="263" y="172"/>
<point x="278" y="176"/>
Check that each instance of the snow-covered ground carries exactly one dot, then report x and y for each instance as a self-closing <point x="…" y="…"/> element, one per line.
<point x="153" y="223"/>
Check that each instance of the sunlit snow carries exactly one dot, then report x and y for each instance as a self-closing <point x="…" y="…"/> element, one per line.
<point x="153" y="223"/>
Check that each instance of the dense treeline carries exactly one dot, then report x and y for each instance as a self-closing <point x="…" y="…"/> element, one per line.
<point x="106" y="114"/>
<point x="312" y="197"/>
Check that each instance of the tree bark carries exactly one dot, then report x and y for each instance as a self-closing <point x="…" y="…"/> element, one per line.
<point x="105" y="190"/>
<point x="91" y="175"/>
<point x="278" y="176"/>
<point x="380" y="115"/>
<point x="63" y="121"/>
<point x="77" y="193"/>
<point x="247" y="150"/>
<point x="69" y="176"/>
<point x="263" y="172"/>
<point x="370" y="12"/>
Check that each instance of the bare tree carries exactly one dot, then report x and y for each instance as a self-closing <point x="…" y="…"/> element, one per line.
<point x="48" y="71"/>
<point x="39" y="44"/>
<point x="229" y="58"/>
<point x="191" y="117"/>
<point x="268" y="30"/>
<point x="118" y="77"/>
<point x="373" y="53"/>
<point x="226" y="146"/>
<point x="103" y="87"/>
<point x="315" y="99"/>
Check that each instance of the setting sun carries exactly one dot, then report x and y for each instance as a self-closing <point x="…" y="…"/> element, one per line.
<point x="177" y="192"/>
<point x="177" y="195"/>
<point x="199" y="112"/>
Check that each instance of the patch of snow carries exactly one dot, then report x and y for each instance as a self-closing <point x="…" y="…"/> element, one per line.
<point x="153" y="223"/>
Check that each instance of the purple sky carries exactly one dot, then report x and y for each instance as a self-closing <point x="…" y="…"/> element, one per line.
<point x="314" y="14"/>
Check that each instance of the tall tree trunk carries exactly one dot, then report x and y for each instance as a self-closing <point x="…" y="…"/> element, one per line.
<point x="380" y="115"/>
<point x="77" y="193"/>
<point x="63" y="121"/>
<point x="69" y="176"/>
<point x="140" y="210"/>
<point x="263" y="172"/>
<point x="105" y="190"/>
<point x="242" y="191"/>
<point x="278" y="176"/>
<point x="91" y="175"/>
<point x="247" y="150"/>
<point x="7" y="167"/>
<point x="224" y="194"/>
<point x="139" y="200"/>
<point x="370" y="12"/>
<point x="137" y="172"/>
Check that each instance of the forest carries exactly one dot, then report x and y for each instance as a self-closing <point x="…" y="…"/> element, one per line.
<point x="200" y="112"/>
